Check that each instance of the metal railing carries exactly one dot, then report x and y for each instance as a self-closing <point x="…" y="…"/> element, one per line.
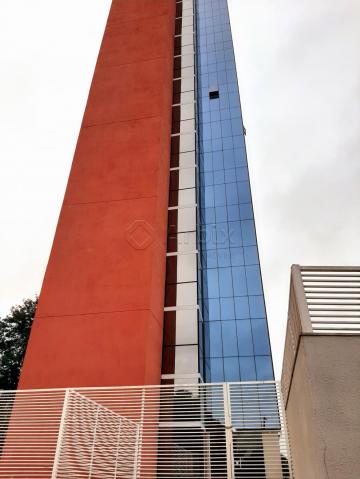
<point x="323" y="300"/>
<point x="333" y="298"/>
<point x="230" y="430"/>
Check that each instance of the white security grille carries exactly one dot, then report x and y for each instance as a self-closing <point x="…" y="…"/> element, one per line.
<point x="333" y="298"/>
<point x="95" y="441"/>
<point x="231" y="430"/>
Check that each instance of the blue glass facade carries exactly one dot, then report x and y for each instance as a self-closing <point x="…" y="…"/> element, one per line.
<point x="235" y="343"/>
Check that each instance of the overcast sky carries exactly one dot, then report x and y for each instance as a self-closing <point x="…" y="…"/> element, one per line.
<point x="299" y="74"/>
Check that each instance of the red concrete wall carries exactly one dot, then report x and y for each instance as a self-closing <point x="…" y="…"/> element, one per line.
<point x="99" y="319"/>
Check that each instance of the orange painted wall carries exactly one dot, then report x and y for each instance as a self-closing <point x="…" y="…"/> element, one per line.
<point x="99" y="319"/>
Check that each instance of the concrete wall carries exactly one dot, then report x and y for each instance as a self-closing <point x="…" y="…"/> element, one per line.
<point x="100" y="316"/>
<point x="323" y="409"/>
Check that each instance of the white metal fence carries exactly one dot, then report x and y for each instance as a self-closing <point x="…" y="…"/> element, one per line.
<point x="230" y="430"/>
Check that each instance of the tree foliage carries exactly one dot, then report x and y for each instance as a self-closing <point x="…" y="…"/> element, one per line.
<point x="14" y="334"/>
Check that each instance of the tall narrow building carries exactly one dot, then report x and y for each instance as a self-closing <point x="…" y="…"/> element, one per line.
<point x="154" y="272"/>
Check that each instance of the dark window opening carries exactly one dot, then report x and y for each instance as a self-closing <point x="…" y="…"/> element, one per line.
<point x="214" y="94"/>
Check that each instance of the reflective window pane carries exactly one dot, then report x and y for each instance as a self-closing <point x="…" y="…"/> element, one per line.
<point x="227" y="308"/>
<point x="247" y="369"/>
<point x="215" y="339"/>
<point x="242" y="308"/>
<point x="253" y="279"/>
<point x="229" y="338"/>
<point x="260" y="336"/>
<point x="225" y="283"/>
<point x="239" y="281"/>
<point x="232" y="369"/>
<point x="257" y="307"/>
<point x="245" y="338"/>
<point x="217" y="370"/>
<point x="264" y="368"/>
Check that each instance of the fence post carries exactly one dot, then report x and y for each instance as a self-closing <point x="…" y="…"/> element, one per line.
<point x="228" y="432"/>
<point x="139" y="435"/>
<point x="94" y="443"/>
<point x="117" y="449"/>
<point x="137" y="452"/>
<point x="61" y="434"/>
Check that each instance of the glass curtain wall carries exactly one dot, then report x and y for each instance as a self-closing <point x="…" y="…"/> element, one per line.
<point x="235" y="333"/>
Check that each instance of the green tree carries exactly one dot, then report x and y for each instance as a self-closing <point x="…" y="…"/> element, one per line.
<point x="14" y="334"/>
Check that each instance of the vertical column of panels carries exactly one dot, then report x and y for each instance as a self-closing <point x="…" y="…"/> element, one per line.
<point x="180" y="351"/>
